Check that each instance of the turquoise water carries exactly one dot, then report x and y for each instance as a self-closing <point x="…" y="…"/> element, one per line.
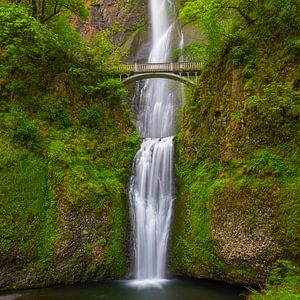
<point x="177" y="289"/>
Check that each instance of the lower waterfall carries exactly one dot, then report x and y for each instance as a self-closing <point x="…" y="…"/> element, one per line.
<point x="152" y="195"/>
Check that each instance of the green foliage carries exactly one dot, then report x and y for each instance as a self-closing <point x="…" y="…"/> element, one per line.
<point x="111" y="89"/>
<point x="23" y="40"/>
<point x="88" y="248"/>
<point x="288" y="221"/>
<point x="238" y="148"/>
<point x="67" y="144"/>
<point x="195" y="248"/>
<point x="235" y="27"/>
<point x="28" y="46"/>
<point x="25" y="202"/>
<point x="194" y="52"/>
<point x="276" y="110"/>
<point x="82" y="170"/>
<point x="284" y="283"/>
<point x="102" y="242"/>
<point x="47" y="9"/>
<point x="55" y="111"/>
<point x="27" y="134"/>
<point x="103" y="49"/>
<point x="92" y="117"/>
<point x="22" y="130"/>
<point x="276" y="102"/>
<point x="65" y="37"/>
<point x="245" y="53"/>
<point x="264" y="163"/>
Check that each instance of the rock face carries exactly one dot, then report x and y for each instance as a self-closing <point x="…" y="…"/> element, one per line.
<point x="239" y="242"/>
<point x="138" y="46"/>
<point x="192" y="34"/>
<point x="122" y="17"/>
<point x="128" y="21"/>
<point x="236" y="210"/>
<point x="235" y="239"/>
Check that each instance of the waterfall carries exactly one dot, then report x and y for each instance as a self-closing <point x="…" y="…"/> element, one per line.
<point x="152" y="186"/>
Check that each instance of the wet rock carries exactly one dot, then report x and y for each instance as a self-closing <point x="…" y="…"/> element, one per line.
<point x="124" y="17"/>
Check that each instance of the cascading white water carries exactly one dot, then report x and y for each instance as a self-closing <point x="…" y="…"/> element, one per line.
<point x="152" y="187"/>
<point x="153" y="195"/>
<point x="158" y="105"/>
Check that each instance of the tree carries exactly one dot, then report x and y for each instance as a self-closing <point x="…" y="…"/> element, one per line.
<point x="44" y="10"/>
<point x="23" y="40"/>
<point x="228" y="22"/>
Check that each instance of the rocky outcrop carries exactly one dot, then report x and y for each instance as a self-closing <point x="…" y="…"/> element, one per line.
<point x="128" y="22"/>
<point x="242" y="238"/>
<point x="121" y="17"/>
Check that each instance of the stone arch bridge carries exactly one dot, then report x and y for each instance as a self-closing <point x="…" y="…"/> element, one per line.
<point x="186" y="72"/>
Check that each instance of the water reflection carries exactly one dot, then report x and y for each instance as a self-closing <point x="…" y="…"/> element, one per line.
<point x="178" y="289"/>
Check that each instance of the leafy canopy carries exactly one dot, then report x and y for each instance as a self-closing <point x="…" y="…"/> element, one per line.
<point x="44" y="10"/>
<point x="33" y="53"/>
<point x="225" y="22"/>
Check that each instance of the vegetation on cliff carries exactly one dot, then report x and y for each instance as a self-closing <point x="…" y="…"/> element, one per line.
<point x="67" y="142"/>
<point x="283" y="283"/>
<point x="238" y="160"/>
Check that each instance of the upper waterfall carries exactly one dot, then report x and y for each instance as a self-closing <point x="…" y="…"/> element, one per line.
<point x="157" y="103"/>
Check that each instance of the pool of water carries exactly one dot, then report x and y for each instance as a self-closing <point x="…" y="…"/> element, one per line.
<point x="175" y="289"/>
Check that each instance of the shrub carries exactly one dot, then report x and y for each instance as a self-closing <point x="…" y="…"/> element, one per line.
<point x="56" y="112"/>
<point x="92" y="117"/>
<point x="284" y="283"/>
<point x="110" y="89"/>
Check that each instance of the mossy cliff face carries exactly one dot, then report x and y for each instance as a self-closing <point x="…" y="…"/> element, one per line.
<point x="64" y="168"/>
<point x="238" y="204"/>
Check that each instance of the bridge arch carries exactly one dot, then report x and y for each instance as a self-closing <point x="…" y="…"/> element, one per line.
<point x="171" y="76"/>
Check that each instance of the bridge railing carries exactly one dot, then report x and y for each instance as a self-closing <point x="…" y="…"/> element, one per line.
<point x="176" y="67"/>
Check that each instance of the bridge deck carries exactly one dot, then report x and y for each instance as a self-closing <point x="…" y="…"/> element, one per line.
<point x="173" y="67"/>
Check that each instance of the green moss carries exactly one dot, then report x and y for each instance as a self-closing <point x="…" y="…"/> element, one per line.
<point x="238" y="162"/>
<point x="24" y="201"/>
<point x="193" y="250"/>
<point x="284" y="283"/>
<point x="67" y="144"/>
<point x="49" y="194"/>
